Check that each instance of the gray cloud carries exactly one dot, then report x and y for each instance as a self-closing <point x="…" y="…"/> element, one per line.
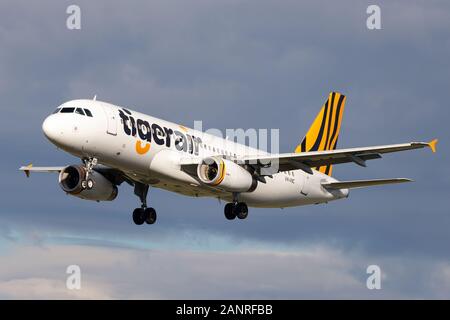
<point x="316" y="271"/>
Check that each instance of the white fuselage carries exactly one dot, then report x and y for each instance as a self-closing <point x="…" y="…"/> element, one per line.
<point x="119" y="138"/>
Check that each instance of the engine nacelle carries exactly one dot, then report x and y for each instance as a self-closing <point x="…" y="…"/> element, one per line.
<point x="102" y="190"/>
<point x="226" y="175"/>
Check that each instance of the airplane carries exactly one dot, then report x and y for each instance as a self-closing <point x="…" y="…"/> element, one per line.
<point x="116" y="145"/>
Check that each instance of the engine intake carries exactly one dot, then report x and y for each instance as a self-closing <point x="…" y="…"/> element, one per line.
<point x="226" y="175"/>
<point x="71" y="177"/>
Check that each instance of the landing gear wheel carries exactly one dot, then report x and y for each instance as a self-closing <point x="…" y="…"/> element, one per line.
<point x="241" y="210"/>
<point x="150" y="215"/>
<point x="84" y="184"/>
<point x="90" y="184"/>
<point x="229" y="211"/>
<point x="139" y="216"/>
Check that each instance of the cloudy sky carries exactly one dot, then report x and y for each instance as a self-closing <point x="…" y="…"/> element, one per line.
<point x="232" y="64"/>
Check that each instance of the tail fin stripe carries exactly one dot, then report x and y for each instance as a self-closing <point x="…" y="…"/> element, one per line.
<point x="303" y="145"/>
<point x="335" y="143"/>
<point x="331" y="113"/>
<point x="336" y="123"/>
<point x="316" y="145"/>
<point x="330" y="171"/>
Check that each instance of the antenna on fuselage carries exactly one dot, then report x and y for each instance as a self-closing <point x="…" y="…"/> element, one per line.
<point x="94" y="98"/>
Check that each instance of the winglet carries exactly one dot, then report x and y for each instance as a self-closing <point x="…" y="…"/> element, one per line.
<point x="432" y="144"/>
<point x="27" y="172"/>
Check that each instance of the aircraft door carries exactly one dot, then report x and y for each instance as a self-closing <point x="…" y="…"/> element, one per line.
<point x="111" y="119"/>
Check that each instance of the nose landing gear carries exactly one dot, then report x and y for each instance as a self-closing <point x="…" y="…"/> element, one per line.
<point x="89" y="164"/>
<point x="87" y="184"/>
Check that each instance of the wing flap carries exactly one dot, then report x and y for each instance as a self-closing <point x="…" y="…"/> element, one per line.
<point x="362" y="183"/>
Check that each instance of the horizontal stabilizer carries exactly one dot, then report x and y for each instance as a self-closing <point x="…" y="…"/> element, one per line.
<point x="362" y="183"/>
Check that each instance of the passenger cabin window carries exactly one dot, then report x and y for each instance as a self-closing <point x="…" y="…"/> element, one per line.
<point x="88" y="112"/>
<point x="79" y="111"/>
<point x="67" y="110"/>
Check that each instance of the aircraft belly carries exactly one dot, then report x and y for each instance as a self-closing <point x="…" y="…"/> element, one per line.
<point x="276" y="192"/>
<point x="287" y="191"/>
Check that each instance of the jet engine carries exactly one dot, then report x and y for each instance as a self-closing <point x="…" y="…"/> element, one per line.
<point x="226" y="175"/>
<point x="72" y="180"/>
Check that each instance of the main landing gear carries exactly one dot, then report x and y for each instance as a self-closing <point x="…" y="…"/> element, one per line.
<point x="143" y="214"/>
<point x="236" y="209"/>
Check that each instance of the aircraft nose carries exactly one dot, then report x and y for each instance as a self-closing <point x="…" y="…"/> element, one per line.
<point x="50" y="128"/>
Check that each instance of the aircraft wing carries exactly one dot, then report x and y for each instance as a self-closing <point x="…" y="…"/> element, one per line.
<point x="308" y="160"/>
<point x="29" y="168"/>
<point x="114" y="175"/>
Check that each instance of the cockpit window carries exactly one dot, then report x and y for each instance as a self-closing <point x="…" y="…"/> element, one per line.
<point x="57" y="110"/>
<point x="67" y="110"/>
<point x="79" y="111"/>
<point x="88" y="112"/>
